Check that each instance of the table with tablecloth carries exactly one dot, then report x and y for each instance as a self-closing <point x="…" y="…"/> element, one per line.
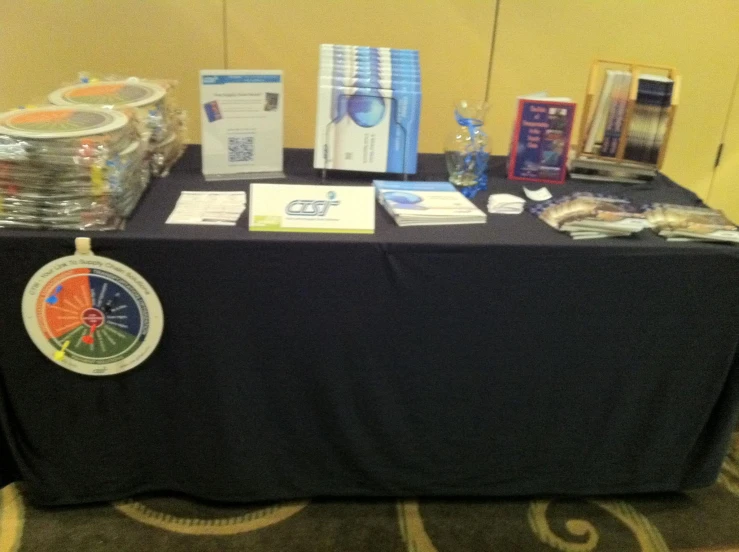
<point x="496" y="359"/>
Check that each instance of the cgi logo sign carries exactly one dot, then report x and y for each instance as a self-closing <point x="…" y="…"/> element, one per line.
<point x="312" y="207"/>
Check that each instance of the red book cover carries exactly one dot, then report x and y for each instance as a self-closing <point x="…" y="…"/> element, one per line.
<point x="541" y="141"/>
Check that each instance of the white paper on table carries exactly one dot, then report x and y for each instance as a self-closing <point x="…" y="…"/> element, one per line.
<point x="210" y="208"/>
<point x="505" y="210"/>
<point x="542" y="194"/>
<point x="505" y="204"/>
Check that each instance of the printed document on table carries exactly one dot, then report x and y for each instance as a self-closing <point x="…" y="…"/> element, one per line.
<point x="215" y="208"/>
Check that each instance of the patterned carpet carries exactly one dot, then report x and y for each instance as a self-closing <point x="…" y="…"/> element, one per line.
<point x="699" y="521"/>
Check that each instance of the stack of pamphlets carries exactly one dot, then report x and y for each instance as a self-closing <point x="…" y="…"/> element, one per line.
<point x="71" y="168"/>
<point x="216" y="208"/>
<point x="161" y="123"/>
<point x="427" y="203"/>
<point x="684" y="223"/>
<point x="368" y="109"/>
<point x="505" y="204"/>
<point x="586" y="216"/>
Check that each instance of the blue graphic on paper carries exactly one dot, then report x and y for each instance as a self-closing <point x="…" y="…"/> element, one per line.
<point x="239" y="79"/>
<point x="366" y="108"/>
<point x="402" y="197"/>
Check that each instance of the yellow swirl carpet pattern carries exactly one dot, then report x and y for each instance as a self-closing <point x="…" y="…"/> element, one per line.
<point x="251" y="521"/>
<point x="705" y="520"/>
<point x="412" y="529"/>
<point x="12" y="514"/>
<point x="646" y="534"/>
<point x="729" y="476"/>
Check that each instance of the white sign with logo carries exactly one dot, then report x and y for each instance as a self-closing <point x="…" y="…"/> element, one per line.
<point x="310" y="208"/>
<point x="241" y="115"/>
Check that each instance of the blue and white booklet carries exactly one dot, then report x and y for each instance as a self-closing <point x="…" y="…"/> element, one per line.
<point x="426" y="203"/>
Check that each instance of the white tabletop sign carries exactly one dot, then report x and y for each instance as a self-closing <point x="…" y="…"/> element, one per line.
<point x="312" y="208"/>
<point x="242" y="123"/>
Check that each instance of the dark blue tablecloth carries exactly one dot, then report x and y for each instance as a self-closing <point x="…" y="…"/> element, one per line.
<point x="504" y="359"/>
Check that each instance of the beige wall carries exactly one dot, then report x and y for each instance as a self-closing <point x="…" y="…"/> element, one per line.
<point x="724" y="193"/>
<point x="45" y="43"/>
<point x="539" y="45"/>
<point x="453" y="37"/>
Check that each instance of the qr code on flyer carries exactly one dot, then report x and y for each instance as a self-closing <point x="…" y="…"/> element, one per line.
<point x="240" y="149"/>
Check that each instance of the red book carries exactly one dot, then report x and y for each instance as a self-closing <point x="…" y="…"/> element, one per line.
<point x="541" y="140"/>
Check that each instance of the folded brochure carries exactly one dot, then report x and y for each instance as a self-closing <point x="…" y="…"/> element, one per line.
<point x="586" y="215"/>
<point x="688" y="223"/>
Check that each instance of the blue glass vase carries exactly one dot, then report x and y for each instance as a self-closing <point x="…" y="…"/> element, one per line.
<point x="467" y="149"/>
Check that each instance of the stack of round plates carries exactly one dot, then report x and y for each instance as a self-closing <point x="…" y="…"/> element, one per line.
<point x="69" y="167"/>
<point x="160" y="123"/>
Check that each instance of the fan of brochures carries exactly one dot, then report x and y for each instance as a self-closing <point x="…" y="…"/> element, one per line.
<point x="587" y="216"/>
<point x="426" y="203"/>
<point x="684" y="223"/>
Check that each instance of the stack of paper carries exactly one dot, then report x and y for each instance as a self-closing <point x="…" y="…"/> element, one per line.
<point x="648" y="123"/>
<point x="586" y="216"/>
<point x="505" y="204"/>
<point x="217" y="208"/>
<point x="161" y="123"/>
<point x="426" y="203"/>
<point x="70" y="168"/>
<point x="683" y="223"/>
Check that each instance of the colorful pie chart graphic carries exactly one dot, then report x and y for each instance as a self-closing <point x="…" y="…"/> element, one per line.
<point x="92" y="315"/>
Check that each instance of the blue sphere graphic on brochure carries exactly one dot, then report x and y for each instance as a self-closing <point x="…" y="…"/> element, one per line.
<point x="366" y="108"/>
<point x="402" y="197"/>
<point x="405" y="200"/>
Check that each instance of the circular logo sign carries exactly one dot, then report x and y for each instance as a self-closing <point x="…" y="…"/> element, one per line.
<point x="92" y="315"/>
<point x="119" y="94"/>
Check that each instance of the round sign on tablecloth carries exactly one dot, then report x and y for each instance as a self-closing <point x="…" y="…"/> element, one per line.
<point x="92" y="315"/>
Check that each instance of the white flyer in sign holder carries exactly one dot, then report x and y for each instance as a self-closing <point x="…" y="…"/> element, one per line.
<point x="242" y="123"/>
<point x="311" y="208"/>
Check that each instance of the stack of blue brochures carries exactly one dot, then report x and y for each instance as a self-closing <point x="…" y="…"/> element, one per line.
<point x="368" y="109"/>
<point x="427" y="203"/>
